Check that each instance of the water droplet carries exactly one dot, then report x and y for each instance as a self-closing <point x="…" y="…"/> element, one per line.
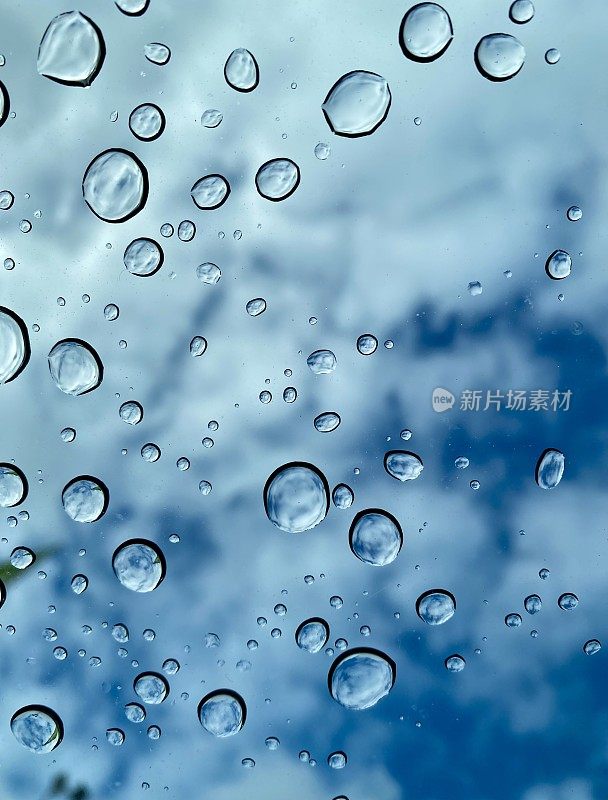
<point x="533" y="604"/>
<point x="550" y="468"/>
<point x="211" y="118"/>
<point x="321" y="362"/>
<point x="256" y="307"/>
<point x="133" y="8"/>
<point x="68" y="434"/>
<point x="115" y="185"/>
<point x="574" y="214"/>
<point x="60" y="653"/>
<point x="157" y="53"/>
<point x="72" y="50"/>
<point x="337" y="760"/>
<point x="147" y="122"/>
<point x="115" y="737"/>
<point x="342" y="496"/>
<point x="436" y="606"/>
<point x="277" y="179"/>
<point x="290" y="394"/>
<point x="22" y="557"/>
<point x="272" y="743"/>
<point x="296" y="497"/>
<point x="521" y="11"/>
<point x="38" y="728"/>
<point x="558" y="265"/>
<point x="327" y="422"/>
<point x="403" y="465"/>
<point x="120" y="633"/>
<point x="150" y="452"/>
<point x="85" y="499"/>
<point x="455" y="663"/>
<point x="79" y="584"/>
<point x="186" y="230"/>
<point x="513" y="620"/>
<point x="312" y="635"/>
<point x="375" y="537"/>
<point x="131" y="412"/>
<point x="367" y="344"/>
<point x="139" y="565"/>
<point x="592" y="647"/>
<point x="567" y="601"/>
<point x="357" y="103"/>
<point x="544" y="574"/>
<point x="151" y="688"/>
<point x="14" y="345"/>
<point x="499" y="56"/>
<point x="75" y="367"/>
<point x="241" y="70"/>
<point x="322" y="151"/>
<point x="135" y="713"/>
<point x="222" y="713"/>
<point x="111" y="312"/>
<point x="552" y="56"/>
<point x="208" y="273"/>
<point x="475" y="288"/>
<point x="143" y="257"/>
<point x="13" y="486"/>
<point x="166" y="230"/>
<point x="426" y="32"/>
<point x="182" y="464"/>
<point x="198" y="345"/>
<point x="336" y="601"/>
<point x="6" y="199"/>
<point x="204" y="487"/>
<point x="171" y="666"/>
<point x="358" y="679"/>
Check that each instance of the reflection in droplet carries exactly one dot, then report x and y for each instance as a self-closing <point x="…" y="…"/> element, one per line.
<point x="72" y="50"/>
<point x="375" y="537"/>
<point x="296" y="497"/>
<point x="436" y="606"/>
<point x="22" y="557"/>
<point x="558" y="265"/>
<point x="13" y="486"/>
<point x="120" y="633"/>
<point x="135" y="713"/>
<point x="147" y="122"/>
<point x="567" y="601"/>
<point x="357" y="103"/>
<point x="241" y="70"/>
<point x="85" y="499"/>
<point x="321" y="362"/>
<point x="222" y="713"/>
<point x="367" y="344"/>
<point x="342" y="496"/>
<point x="79" y="584"/>
<point x="277" y="179"/>
<point x="337" y="760"/>
<point x="592" y="647"/>
<point x="521" y="11"/>
<point x="426" y="32"/>
<point x="151" y="688"/>
<point x="513" y="620"/>
<point x="14" y="345"/>
<point x="143" y="257"/>
<point x="131" y="412"/>
<point x="115" y="185"/>
<point x="115" y="737"/>
<point x="38" y="728"/>
<point x="455" y="663"/>
<point x="403" y="465"/>
<point x="358" y="679"/>
<point x="312" y="635"/>
<point x="550" y="468"/>
<point x="499" y="56"/>
<point x="256" y="307"/>
<point x="327" y="422"/>
<point x="139" y="565"/>
<point x="150" y="452"/>
<point x="157" y="53"/>
<point x="533" y="604"/>
<point x="75" y="367"/>
<point x="210" y="192"/>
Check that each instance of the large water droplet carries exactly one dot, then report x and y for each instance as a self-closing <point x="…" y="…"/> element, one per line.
<point x="558" y="265"/>
<point x="436" y="606"/>
<point x="592" y="647"/>
<point x="147" y="122"/>
<point x="367" y="344"/>
<point x="327" y="422"/>
<point x="312" y="635"/>
<point x="357" y="103"/>
<point x="22" y="557"/>
<point x="115" y="185"/>
<point x="13" y="486"/>
<point x="143" y="257"/>
<point x="14" y="345"/>
<point x="131" y="412"/>
<point x="241" y="70"/>
<point x="208" y="273"/>
<point x="75" y="367"/>
<point x="375" y="537"/>
<point x="85" y="499"/>
<point x="533" y="604"/>
<point x="157" y="53"/>
<point x="132" y="7"/>
<point x="151" y="688"/>
<point x="521" y="11"/>
<point x="499" y="56"/>
<point x="277" y="179"/>
<point x="426" y="32"/>
<point x="256" y="307"/>
<point x="210" y="192"/>
<point x="550" y="468"/>
<point x="296" y="497"/>
<point x="222" y="713"/>
<point x="38" y="728"/>
<point x="139" y="565"/>
<point x="455" y="663"/>
<point x="321" y="362"/>
<point x="72" y="50"/>
<point x="403" y="465"/>
<point x="342" y="496"/>
<point x="358" y="679"/>
<point x="567" y="601"/>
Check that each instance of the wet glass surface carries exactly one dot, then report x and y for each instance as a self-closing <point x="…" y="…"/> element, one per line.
<point x="261" y="263"/>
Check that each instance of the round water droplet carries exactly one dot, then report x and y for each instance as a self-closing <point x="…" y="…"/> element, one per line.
<point x="115" y="737"/>
<point x="211" y="118"/>
<point x="22" y="557"/>
<point x="296" y="497"/>
<point x="85" y="499"/>
<point x="143" y="257"/>
<point x="552" y="56"/>
<point x="222" y="713"/>
<point x="436" y="606"/>
<point x="521" y="11"/>
<point x="131" y="412"/>
<point x="455" y="663"/>
<point x="533" y="604"/>
<point x="256" y="307"/>
<point x="186" y="230"/>
<point x="72" y="50"/>
<point x="342" y="496"/>
<point x="426" y="32"/>
<point x="327" y="422"/>
<point x="75" y="367"/>
<point x="499" y="56"/>
<point x="79" y="584"/>
<point x="38" y="728"/>
<point x="13" y="486"/>
<point x="375" y="537"/>
<point x="544" y="573"/>
<point x="312" y="635"/>
<point x="475" y="288"/>
<point x="139" y="565"/>
<point x="290" y="394"/>
<point x="111" y="312"/>
<point x="367" y="344"/>
<point x="513" y="620"/>
<point x="277" y="179"/>
<point x="558" y="265"/>
<point x="171" y="666"/>
<point x="120" y="633"/>
<point x="151" y="688"/>
<point x="6" y="199"/>
<point x="198" y="345"/>
<point x="157" y="53"/>
<point x="115" y="185"/>
<point x="272" y="743"/>
<point x="321" y="362"/>
<point x="357" y="104"/>
<point x="322" y="151"/>
<point x="132" y="8"/>
<point x="147" y="122"/>
<point x="208" y="273"/>
<point x="358" y="679"/>
<point x="241" y="70"/>
<point x="592" y="647"/>
<point x="68" y="435"/>
<point x="337" y="760"/>
<point x="210" y="192"/>
<point x="135" y="713"/>
<point x="574" y="214"/>
<point x="550" y="468"/>
<point x="567" y="601"/>
<point x="403" y="465"/>
<point x="150" y="452"/>
<point x="14" y="345"/>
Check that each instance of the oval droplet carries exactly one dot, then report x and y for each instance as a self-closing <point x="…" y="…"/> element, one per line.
<point x="139" y="565"/>
<point x="72" y="50"/>
<point x="375" y="537"/>
<point x="222" y="713"/>
<point x="37" y="728"/>
<point x="436" y="606"/>
<point x="426" y="32"/>
<point x="567" y="601"/>
<point x="558" y="265"/>
<point x="521" y="11"/>
<point x="131" y="412"/>
<point x="550" y="468"/>
<point x="133" y="8"/>
<point x="357" y="104"/>
<point x="455" y="663"/>
<point x="256" y="307"/>
<point x="342" y="496"/>
<point x="312" y="635"/>
<point x="296" y="497"/>
<point x="211" y="118"/>
<point x="327" y="422"/>
<point x="210" y="192"/>
<point x="321" y="362"/>
<point x="22" y="557"/>
<point x="403" y="465"/>
<point x="14" y="345"/>
<point x="151" y="688"/>
<point x="241" y="70"/>
<point x="75" y="367"/>
<point x="115" y="185"/>
<point x="277" y="179"/>
<point x="85" y="499"/>
<point x="147" y="122"/>
<point x="157" y="53"/>
<point x="592" y="647"/>
<point x="13" y="486"/>
<point x="499" y="56"/>
<point x="358" y="679"/>
<point x="533" y="604"/>
<point x="143" y="257"/>
<point x="367" y="344"/>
